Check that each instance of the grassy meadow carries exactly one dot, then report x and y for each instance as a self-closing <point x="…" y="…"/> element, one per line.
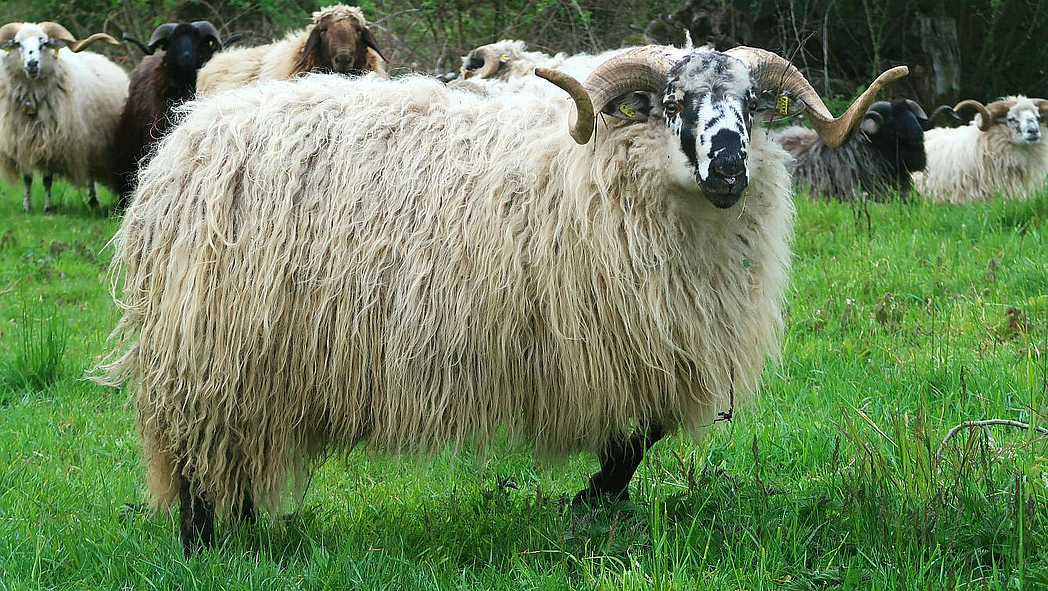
<point x="904" y="320"/>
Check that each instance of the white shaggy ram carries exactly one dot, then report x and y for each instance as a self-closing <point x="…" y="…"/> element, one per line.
<point x="1000" y="153"/>
<point x="315" y="264"/>
<point x="58" y="108"/>
<point x="338" y="40"/>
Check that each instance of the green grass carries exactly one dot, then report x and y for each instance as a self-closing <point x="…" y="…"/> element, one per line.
<point x="896" y="333"/>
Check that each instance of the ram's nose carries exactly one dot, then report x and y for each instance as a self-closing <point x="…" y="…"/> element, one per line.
<point x="32" y="68"/>
<point x="729" y="168"/>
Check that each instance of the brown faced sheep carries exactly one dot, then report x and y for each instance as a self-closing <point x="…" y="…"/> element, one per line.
<point x="338" y="41"/>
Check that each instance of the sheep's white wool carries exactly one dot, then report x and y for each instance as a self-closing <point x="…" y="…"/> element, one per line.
<point x="318" y="263"/>
<point x="518" y="63"/>
<point x="966" y="164"/>
<point x="62" y="121"/>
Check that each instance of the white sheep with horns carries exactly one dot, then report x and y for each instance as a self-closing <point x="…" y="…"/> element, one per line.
<point x="1001" y="153"/>
<point x="316" y="264"/>
<point x="58" y="108"/>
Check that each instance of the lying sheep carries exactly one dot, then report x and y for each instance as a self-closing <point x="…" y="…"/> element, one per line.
<point x="339" y="40"/>
<point x="58" y="108"/>
<point x="160" y="83"/>
<point x="879" y="160"/>
<point x="999" y="154"/>
<point x="408" y="266"/>
<point x="509" y="59"/>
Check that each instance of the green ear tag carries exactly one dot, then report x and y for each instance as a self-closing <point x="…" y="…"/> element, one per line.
<point x="627" y="111"/>
<point x="783" y="105"/>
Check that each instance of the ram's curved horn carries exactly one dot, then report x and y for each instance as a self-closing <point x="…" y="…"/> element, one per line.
<point x="208" y="30"/>
<point x="57" y="31"/>
<point x="8" y="31"/>
<point x="986" y="120"/>
<point x="160" y="35"/>
<point x="772" y="72"/>
<point x="641" y="69"/>
<point x="491" y="63"/>
<point x="916" y="109"/>
<point x="940" y="110"/>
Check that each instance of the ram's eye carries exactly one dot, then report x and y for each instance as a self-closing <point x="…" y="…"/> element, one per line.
<point x="671" y="107"/>
<point x="752" y="104"/>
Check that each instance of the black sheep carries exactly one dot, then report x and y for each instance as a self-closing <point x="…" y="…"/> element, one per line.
<point x="878" y="160"/>
<point x="162" y="81"/>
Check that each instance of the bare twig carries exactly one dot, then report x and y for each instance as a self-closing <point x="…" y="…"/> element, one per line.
<point x="984" y="423"/>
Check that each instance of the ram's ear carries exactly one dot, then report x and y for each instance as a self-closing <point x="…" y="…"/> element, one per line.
<point x="779" y="104"/>
<point x="635" y="106"/>
<point x="871" y="123"/>
<point x="308" y="58"/>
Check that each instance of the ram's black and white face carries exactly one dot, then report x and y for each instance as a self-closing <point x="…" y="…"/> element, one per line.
<point x="708" y="103"/>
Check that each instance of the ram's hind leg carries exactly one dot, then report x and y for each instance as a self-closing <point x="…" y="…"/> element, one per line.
<point x="198" y="520"/>
<point x="92" y="195"/>
<point x="618" y="463"/>
<point x="245" y="511"/>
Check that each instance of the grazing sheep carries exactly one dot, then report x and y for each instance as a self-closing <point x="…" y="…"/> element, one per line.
<point x="58" y="108"/>
<point x="160" y="83"/>
<point x="318" y="264"/>
<point x="509" y="59"/>
<point x="879" y="160"/>
<point x="1000" y="153"/>
<point x="339" y="40"/>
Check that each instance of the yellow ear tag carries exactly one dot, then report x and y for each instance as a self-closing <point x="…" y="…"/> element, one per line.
<point x="504" y="57"/>
<point x="783" y="105"/>
<point x="627" y="111"/>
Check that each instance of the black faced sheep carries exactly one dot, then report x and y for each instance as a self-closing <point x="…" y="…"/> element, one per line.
<point x="878" y="160"/>
<point x="162" y="81"/>
<point x="1000" y="154"/>
<point x="317" y="264"/>
<point x="58" y="108"/>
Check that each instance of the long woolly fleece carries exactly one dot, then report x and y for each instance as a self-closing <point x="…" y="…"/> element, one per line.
<point x="966" y="165"/>
<point x="319" y="263"/>
<point x="843" y="172"/>
<point x="275" y="61"/>
<point x="72" y="133"/>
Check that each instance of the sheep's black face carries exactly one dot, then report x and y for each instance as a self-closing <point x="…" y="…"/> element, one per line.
<point x="898" y="135"/>
<point x="707" y="103"/>
<point x="188" y="49"/>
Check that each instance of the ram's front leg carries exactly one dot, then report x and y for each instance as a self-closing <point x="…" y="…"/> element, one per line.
<point x="92" y="195"/>
<point x="27" y="181"/>
<point x="618" y="462"/>
<point x="48" y="180"/>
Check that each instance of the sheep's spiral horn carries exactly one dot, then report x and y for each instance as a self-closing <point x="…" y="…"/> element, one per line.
<point x="986" y="120"/>
<point x="160" y="35"/>
<point x="57" y="31"/>
<point x="940" y="110"/>
<point x="491" y="63"/>
<point x="916" y="109"/>
<point x="207" y="29"/>
<point x="641" y="69"/>
<point x="772" y="72"/>
<point x="8" y="31"/>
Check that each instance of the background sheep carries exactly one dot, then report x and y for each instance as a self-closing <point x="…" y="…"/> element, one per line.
<point x="160" y="82"/>
<point x="879" y="160"/>
<point x="58" y="108"/>
<point x="339" y="40"/>
<point x="509" y="59"/>
<point x="1000" y="153"/>
<point x="406" y="265"/>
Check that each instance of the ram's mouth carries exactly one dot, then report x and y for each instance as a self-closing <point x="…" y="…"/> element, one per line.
<point x="32" y="72"/>
<point x="723" y="192"/>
